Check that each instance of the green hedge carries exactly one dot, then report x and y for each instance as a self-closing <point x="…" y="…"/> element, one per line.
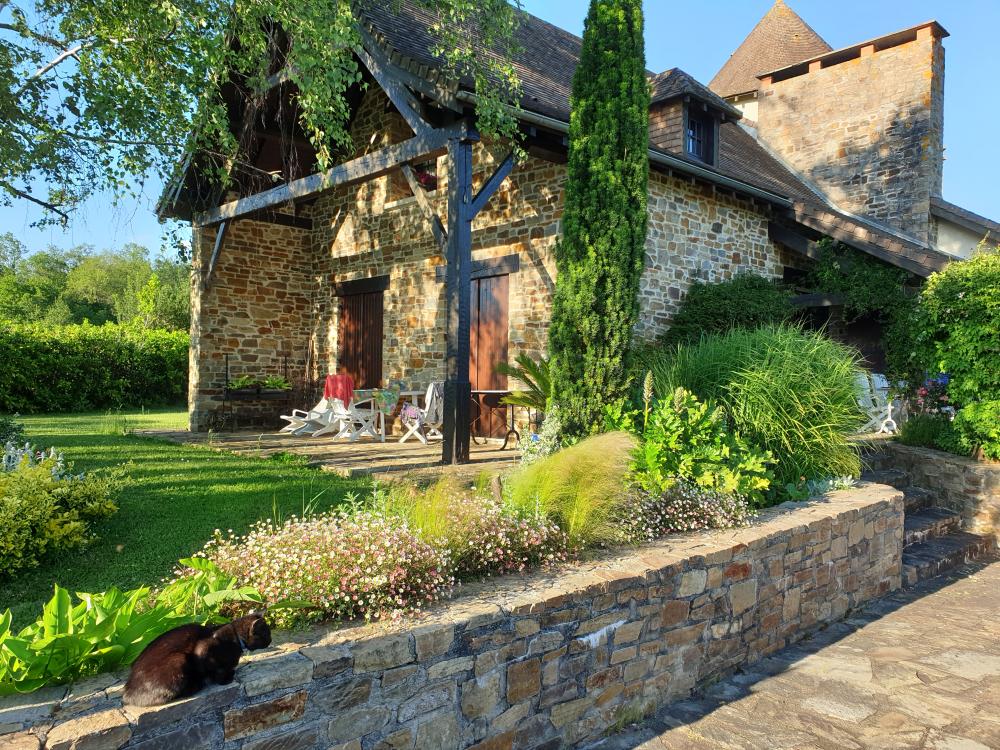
<point x="83" y="367"/>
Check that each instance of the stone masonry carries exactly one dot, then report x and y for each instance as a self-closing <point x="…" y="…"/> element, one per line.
<point x="968" y="487"/>
<point x="546" y="660"/>
<point x="256" y="308"/>
<point x="272" y="293"/>
<point x="868" y="131"/>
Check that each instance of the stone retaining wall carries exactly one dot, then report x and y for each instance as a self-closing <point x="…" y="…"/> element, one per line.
<point x="970" y="488"/>
<point x="547" y="660"/>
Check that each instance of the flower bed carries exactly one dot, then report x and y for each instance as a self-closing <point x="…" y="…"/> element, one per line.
<point x="535" y="659"/>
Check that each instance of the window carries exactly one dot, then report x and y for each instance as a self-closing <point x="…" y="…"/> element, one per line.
<point x="701" y="137"/>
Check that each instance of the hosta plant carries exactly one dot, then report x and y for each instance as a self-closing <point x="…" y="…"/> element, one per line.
<point x="106" y="631"/>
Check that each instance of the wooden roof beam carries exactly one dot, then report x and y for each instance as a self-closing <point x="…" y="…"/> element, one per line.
<point x="369" y="166"/>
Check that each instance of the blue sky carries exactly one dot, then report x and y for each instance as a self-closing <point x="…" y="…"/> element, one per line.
<point x="698" y="37"/>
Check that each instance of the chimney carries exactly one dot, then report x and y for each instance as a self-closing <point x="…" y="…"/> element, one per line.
<point x="865" y="124"/>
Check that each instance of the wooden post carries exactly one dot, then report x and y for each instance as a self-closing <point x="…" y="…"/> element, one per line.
<point x="458" y="290"/>
<point x="462" y="209"/>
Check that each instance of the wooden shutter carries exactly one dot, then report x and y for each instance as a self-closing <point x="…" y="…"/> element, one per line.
<point x="360" y="334"/>
<point x="488" y="342"/>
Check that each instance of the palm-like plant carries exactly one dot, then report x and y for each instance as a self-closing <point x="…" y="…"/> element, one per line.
<point x="534" y="375"/>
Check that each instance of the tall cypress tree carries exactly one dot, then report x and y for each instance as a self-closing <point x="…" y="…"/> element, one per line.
<point x="600" y="255"/>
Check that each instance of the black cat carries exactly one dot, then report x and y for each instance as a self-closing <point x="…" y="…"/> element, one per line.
<point x="182" y="661"/>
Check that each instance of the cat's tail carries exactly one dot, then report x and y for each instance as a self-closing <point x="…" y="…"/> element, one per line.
<point x="146" y="695"/>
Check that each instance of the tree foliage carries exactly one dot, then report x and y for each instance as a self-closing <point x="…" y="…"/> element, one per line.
<point x="61" y="286"/>
<point x="959" y="320"/>
<point x="96" y="92"/>
<point x="600" y="255"/>
<point x="870" y="287"/>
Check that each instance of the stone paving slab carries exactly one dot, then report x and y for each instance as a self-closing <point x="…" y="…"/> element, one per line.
<point x="917" y="669"/>
<point x="362" y="457"/>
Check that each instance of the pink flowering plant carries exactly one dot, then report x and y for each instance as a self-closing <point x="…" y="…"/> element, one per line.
<point x="483" y="535"/>
<point x="683" y="506"/>
<point x="385" y="557"/>
<point x="346" y="565"/>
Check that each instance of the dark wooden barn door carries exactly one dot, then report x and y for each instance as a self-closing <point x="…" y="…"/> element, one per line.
<point x="487" y="347"/>
<point x="360" y="337"/>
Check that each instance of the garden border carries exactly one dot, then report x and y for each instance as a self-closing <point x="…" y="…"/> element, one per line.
<point x="537" y="661"/>
<point x="969" y="487"/>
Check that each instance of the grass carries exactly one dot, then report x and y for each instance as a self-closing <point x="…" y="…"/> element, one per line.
<point x="579" y="487"/>
<point x="177" y="497"/>
<point x="787" y="390"/>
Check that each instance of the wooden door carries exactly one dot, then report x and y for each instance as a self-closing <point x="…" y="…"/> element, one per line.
<point x="360" y="338"/>
<point x="488" y="338"/>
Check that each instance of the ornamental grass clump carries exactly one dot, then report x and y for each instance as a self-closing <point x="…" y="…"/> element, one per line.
<point x="346" y="565"/>
<point x="579" y="487"/>
<point x="785" y="390"/>
<point x="482" y="536"/>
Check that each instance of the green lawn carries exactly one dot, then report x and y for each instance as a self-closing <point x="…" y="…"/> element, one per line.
<point x="177" y="496"/>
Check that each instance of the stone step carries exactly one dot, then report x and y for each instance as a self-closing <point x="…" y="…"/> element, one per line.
<point x="927" y="559"/>
<point x="929" y="523"/>
<point x="917" y="498"/>
<point x="893" y="477"/>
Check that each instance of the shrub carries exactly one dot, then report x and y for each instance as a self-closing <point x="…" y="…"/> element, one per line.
<point x="978" y="427"/>
<point x="871" y="287"/>
<point x="746" y="301"/>
<point x="578" y="487"/>
<point x="690" y="440"/>
<point x="787" y="391"/>
<point x="44" y="509"/>
<point x="80" y="367"/>
<point x="960" y="318"/>
<point x="927" y="431"/>
<point x="683" y="506"/>
<point x="11" y="430"/>
<point x="346" y="565"/>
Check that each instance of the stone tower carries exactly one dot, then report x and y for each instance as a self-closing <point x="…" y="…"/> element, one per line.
<point x="864" y="124"/>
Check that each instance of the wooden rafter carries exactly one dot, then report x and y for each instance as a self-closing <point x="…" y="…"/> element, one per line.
<point x="437" y="226"/>
<point x="369" y="166"/>
<point x="436" y="91"/>
<point x="220" y="238"/>
<point x="492" y="184"/>
<point x="406" y="104"/>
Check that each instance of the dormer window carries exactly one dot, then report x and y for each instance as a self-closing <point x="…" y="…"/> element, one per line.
<point x="700" y="136"/>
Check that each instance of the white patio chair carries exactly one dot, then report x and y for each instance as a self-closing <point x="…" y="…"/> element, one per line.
<point x="304" y="422"/>
<point x="873" y="397"/>
<point x="425" y="422"/>
<point x="341" y="421"/>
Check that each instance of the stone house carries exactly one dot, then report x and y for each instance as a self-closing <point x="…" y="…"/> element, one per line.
<point x="393" y="267"/>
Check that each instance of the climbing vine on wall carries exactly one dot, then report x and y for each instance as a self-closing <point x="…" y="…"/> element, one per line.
<point x="870" y="287"/>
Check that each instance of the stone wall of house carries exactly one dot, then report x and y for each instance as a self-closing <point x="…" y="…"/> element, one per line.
<point x="369" y="230"/>
<point x="968" y="487"/>
<point x="256" y="308"/>
<point x="696" y="234"/>
<point x="868" y="131"/>
<point x="273" y="293"/>
<point x="523" y="663"/>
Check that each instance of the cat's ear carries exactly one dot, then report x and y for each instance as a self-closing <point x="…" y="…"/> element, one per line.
<point x="259" y="629"/>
